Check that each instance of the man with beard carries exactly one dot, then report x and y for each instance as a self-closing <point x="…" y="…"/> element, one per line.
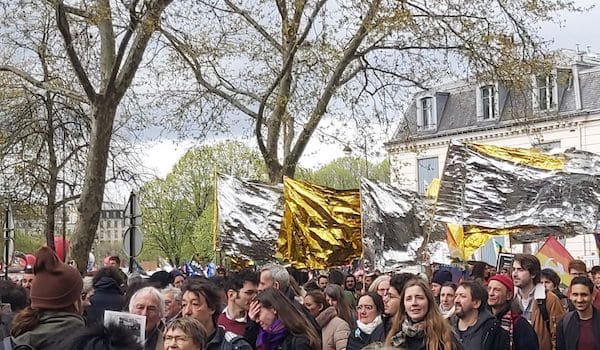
<point x="520" y="333"/>
<point x="580" y="329"/>
<point x="476" y="327"/>
<point x="542" y="309"/>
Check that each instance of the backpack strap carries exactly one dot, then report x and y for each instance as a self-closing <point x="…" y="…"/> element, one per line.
<point x="544" y="310"/>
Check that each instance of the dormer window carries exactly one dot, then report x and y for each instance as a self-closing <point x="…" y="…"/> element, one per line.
<point x="544" y="92"/>
<point x="488" y="100"/>
<point x="426" y="113"/>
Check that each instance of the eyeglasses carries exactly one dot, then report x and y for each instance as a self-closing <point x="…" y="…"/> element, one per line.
<point x="177" y="339"/>
<point x="365" y="307"/>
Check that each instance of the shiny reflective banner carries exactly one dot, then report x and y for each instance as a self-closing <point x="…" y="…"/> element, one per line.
<point x="521" y="192"/>
<point x="248" y="218"/>
<point x="392" y="219"/>
<point x="320" y="227"/>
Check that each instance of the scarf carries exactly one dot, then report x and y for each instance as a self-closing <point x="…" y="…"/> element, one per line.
<point x="507" y="321"/>
<point x="408" y="330"/>
<point x="272" y="337"/>
<point x="369" y="327"/>
<point x="447" y="313"/>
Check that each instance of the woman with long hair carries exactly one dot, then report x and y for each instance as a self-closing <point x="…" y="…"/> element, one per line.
<point x="335" y="297"/>
<point x="334" y="330"/>
<point x="419" y="325"/>
<point x="369" y="326"/>
<point x="283" y="327"/>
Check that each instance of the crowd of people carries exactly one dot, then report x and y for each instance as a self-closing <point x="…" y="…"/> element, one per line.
<point x="521" y="308"/>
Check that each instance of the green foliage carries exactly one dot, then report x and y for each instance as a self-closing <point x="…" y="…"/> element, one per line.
<point x="28" y="243"/>
<point x="178" y="210"/>
<point x="345" y="173"/>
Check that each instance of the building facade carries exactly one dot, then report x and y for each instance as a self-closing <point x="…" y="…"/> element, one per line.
<point x="560" y="110"/>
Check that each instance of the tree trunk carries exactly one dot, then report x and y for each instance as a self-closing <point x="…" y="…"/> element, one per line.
<point x="52" y="172"/>
<point x="90" y="202"/>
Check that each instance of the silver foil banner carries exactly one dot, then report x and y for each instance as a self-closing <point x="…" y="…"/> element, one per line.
<point x="393" y="220"/>
<point x="249" y="218"/>
<point x="482" y="186"/>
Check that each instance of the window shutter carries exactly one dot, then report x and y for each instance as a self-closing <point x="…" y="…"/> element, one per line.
<point x="420" y="113"/>
<point x="535" y="94"/>
<point x="554" y="84"/>
<point x="433" y="114"/>
<point x="479" y="102"/>
<point x="496" y="101"/>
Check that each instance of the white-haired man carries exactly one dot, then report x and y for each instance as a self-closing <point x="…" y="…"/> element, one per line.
<point x="150" y="303"/>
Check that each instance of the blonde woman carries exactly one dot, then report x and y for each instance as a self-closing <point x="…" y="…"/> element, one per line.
<point x="419" y="325"/>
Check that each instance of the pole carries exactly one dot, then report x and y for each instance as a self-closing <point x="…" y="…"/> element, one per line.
<point x="131" y="230"/>
<point x="6" y="243"/>
<point x="64" y="209"/>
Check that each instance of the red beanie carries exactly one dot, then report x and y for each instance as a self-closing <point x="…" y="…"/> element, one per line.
<point x="505" y="280"/>
<point x="55" y="285"/>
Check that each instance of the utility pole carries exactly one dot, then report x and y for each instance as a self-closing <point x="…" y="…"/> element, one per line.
<point x="9" y="228"/>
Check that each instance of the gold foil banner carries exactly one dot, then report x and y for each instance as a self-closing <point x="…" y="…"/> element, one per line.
<point x="521" y="156"/>
<point x="321" y="226"/>
<point x="486" y="190"/>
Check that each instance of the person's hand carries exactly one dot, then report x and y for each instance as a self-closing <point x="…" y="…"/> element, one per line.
<point x="254" y="310"/>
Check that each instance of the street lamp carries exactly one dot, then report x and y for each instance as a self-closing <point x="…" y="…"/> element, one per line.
<point x="347" y="151"/>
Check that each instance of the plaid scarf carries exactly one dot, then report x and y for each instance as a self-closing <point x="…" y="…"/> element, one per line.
<point x="507" y="322"/>
<point x="408" y="330"/>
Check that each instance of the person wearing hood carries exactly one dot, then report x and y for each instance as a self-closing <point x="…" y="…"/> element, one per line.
<point x="335" y="330"/>
<point x="447" y="295"/>
<point x="55" y="303"/>
<point x="476" y="327"/>
<point x="107" y="294"/>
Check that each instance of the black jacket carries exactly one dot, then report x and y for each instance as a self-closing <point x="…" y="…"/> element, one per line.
<point x="107" y="296"/>
<point x="485" y="334"/>
<point x="293" y="342"/>
<point x="567" y="334"/>
<point x="524" y="337"/>
<point x="222" y="340"/>
<point x="359" y="339"/>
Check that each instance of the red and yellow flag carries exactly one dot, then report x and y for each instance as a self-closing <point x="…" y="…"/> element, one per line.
<point x="553" y="255"/>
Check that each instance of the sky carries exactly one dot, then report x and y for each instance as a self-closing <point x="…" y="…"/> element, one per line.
<point x="575" y="29"/>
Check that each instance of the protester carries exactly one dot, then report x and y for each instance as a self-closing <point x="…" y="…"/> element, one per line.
<point x="439" y="278"/>
<point x="185" y="334"/>
<point x="337" y="277"/>
<point x="27" y="279"/>
<point x="107" y="294"/>
<point x="368" y="279"/>
<point x="283" y="327"/>
<point x="322" y="282"/>
<point x="595" y="274"/>
<point x="542" y="309"/>
<point x="580" y="329"/>
<point x="149" y="302"/>
<point x="335" y="298"/>
<point x="480" y="272"/>
<point x="178" y="278"/>
<point x="418" y="325"/>
<point x="55" y="302"/>
<point x="551" y="282"/>
<point x="369" y="326"/>
<point x="172" y="298"/>
<point x="100" y="337"/>
<point x="334" y="329"/>
<point x="16" y="297"/>
<point x="381" y="285"/>
<point x="350" y="284"/>
<point x="577" y="268"/>
<point x="201" y="301"/>
<point x="241" y="289"/>
<point x="391" y="301"/>
<point x="476" y="327"/>
<point x="447" y="294"/>
<point x="500" y="299"/>
<point x="114" y="261"/>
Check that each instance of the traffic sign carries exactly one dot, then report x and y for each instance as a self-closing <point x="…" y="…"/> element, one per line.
<point x="136" y="240"/>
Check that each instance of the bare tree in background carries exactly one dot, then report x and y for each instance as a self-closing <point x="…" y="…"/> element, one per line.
<point x="105" y="44"/>
<point x="294" y="67"/>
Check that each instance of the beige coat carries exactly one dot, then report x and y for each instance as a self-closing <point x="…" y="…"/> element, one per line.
<point x="335" y="330"/>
